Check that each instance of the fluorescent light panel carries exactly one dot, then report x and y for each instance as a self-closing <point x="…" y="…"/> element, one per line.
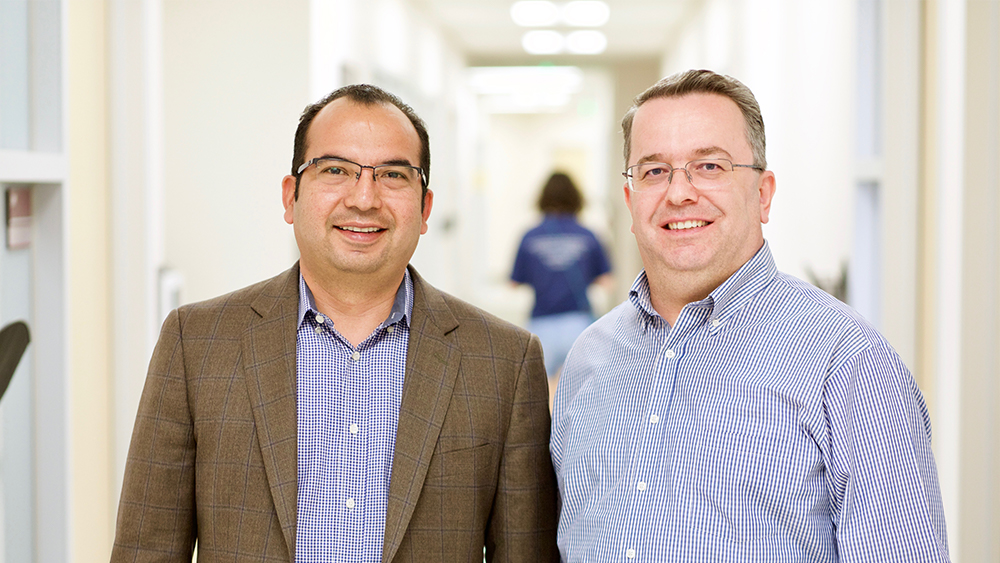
<point x="542" y="13"/>
<point x="532" y="89"/>
<point x="586" y="42"/>
<point x="563" y="80"/>
<point x="535" y="13"/>
<point x="549" y="42"/>
<point x="586" y="13"/>
<point x="543" y="42"/>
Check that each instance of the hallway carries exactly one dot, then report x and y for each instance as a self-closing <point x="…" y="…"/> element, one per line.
<point x="156" y="140"/>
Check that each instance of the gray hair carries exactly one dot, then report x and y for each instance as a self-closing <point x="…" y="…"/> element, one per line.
<point x="707" y="82"/>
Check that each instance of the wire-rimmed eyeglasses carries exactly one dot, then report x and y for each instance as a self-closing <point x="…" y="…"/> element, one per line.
<point x="705" y="174"/>
<point x="336" y="172"/>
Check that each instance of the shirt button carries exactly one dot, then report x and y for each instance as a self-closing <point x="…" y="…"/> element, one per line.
<point x="390" y="329"/>
<point x="318" y="330"/>
<point x="716" y="323"/>
<point x="670" y="354"/>
<point x="653" y="419"/>
<point x="355" y="355"/>
<point x="320" y="319"/>
<point x="354" y="428"/>
<point x="630" y="553"/>
<point x="349" y="503"/>
<point x="641" y="485"/>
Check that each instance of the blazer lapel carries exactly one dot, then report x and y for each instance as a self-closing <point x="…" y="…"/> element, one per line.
<point x="432" y="362"/>
<point x="269" y="359"/>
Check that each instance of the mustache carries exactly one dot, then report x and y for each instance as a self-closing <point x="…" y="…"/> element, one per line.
<point x="367" y="217"/>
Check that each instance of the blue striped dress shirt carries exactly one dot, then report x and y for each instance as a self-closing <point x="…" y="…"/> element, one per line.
<point x="347" y="411"/>
<point x="771" y="423"/>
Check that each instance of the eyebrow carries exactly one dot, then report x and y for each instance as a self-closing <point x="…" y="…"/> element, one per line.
<point x="698" y="153"/>
<point x="709" y="151"/>
<point x="390" y="162"/>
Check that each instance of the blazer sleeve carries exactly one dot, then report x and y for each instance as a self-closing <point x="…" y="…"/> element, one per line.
<point x="523" y="523"/>
<point x="156" y="514"/>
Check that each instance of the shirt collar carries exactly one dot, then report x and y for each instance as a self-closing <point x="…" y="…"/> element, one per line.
<point x="402" y="307"/>
<point x="639" y="295"/>
<point x="725" y="300"/>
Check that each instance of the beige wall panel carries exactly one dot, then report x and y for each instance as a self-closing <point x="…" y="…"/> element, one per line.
<point x="236" y="78"/>
<point x="980" y="409"/>
<point x="94" y="499"/>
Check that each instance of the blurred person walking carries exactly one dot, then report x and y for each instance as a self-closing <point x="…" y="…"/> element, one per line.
<point x="560" y="259"/>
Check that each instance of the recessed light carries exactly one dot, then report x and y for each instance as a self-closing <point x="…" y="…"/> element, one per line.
<point x="535" y="13"/>
<point x="586" y="42"/>
<point x="586" y="13"/>
<point x="531" y="89"/>
<point x="543" y="42"/>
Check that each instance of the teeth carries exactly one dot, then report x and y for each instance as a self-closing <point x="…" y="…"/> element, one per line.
<point x="361" y="229"/>
<point x="686" y="225"/>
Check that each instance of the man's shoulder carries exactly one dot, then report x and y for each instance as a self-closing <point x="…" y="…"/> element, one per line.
<point x="802" y="295"/>
<point x="465" y="311"/>
<point x="262" y="295"/>
<point x="472" y="322"/>
<point x="614" y="330"/>
<point x="803" y="303"/>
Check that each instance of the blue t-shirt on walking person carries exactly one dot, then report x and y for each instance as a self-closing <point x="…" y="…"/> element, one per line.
<point x="559" y="259"/>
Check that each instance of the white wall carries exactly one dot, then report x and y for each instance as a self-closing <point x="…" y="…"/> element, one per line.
<point x="798" y="59"/>
<point x="236" y="78"/>
<point x="235" y="82"/>
<point x="410" y="57"/>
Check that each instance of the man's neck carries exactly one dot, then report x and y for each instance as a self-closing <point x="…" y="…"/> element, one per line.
<point x="355" y="304"/>
<point x="671" y="290"/>
<point x="669" y="294"/>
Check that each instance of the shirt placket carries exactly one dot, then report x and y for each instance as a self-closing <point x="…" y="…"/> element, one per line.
<point x="381" y="439"/>
<point x="651" y="474"/>
<point x="648" y="472"/>
<point x="353" y="432"/>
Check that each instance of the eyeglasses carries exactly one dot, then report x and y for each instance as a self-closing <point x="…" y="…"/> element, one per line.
<point x="706" y="174"/>
<point x="335" y="172"/>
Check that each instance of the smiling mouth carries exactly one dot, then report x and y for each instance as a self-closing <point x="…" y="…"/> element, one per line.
<point x="681" y="225"/>
<point x="361" y="229"/>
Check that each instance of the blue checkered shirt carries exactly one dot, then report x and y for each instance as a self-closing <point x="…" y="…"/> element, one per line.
<point x="771" y="423"/>
<point x="348" y="408"/>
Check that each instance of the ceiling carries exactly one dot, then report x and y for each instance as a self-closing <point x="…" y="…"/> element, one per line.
<point x="484" y="31"/>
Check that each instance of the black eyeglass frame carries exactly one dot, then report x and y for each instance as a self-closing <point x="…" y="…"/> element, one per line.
<point x="357" y="177"/>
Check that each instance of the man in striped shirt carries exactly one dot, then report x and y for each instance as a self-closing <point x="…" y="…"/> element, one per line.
<point x="727" y="411"/>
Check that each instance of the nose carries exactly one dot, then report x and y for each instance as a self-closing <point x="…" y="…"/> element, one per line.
<point x="362" y="172"/>
<point x="365" y="193"/>
<point x="682" y="192"/>
<point x="675" y="170"/>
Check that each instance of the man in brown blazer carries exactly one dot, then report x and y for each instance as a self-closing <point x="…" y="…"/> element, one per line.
<point x="431" y="440"/>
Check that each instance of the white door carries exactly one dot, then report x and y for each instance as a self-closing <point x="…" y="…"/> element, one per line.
<point x="17" y="486"/>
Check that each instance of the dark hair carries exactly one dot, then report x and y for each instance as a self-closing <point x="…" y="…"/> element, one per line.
<point x="708" y="82"/>
<point x="368" y="95"/>
<point x="560" y="195"/>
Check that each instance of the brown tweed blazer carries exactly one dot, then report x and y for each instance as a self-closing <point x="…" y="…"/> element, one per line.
<point x="213" y="453"/>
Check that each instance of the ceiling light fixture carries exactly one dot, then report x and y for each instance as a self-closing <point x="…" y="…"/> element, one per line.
<point x="586" y="42"/>
<point x="542" y="13"/>
<point x="535" y="13"/>
<point x="543" y="42"/>
<point x="531" y="89"/>
<point x="586" y="13"/>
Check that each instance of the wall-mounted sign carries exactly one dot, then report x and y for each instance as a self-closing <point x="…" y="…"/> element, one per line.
<point x="18" y="218"/>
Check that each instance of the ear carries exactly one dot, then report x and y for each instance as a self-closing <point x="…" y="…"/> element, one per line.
<point x="428" y="203"/>
<point x="628" y="203"/>
<point x="288" y="198"/>
<point x="766" y="188"/>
